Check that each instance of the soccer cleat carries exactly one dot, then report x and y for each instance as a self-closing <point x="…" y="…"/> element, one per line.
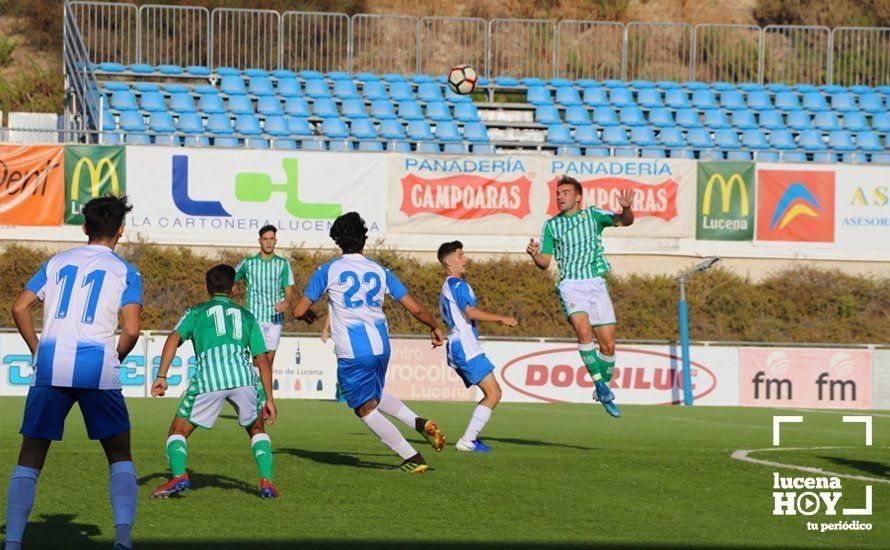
<point x="175" y="486"/>
<point x="430" y="431"/>
<point x="267" y="490"/>
<point x="472" y="446"/>
<point x="481" y="447"/>
<point x="414" y="465"/>
<point x="605" y="396"/>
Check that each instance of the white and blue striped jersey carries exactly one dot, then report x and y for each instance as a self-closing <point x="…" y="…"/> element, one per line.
<point x="356" y="286"/>
<point x="82" y="290"/>
<point x="456" y="296"/>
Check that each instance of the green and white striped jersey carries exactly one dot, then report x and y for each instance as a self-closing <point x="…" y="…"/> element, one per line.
<point x="226" y="338"/>
<point x="577" y="244"/>
<point x="266" y="281"/>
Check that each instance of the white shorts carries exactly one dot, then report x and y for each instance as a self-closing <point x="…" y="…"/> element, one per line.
<point x="271" y="335"/>
<point x="590" y="296"/>
<point x="201" y="409"/>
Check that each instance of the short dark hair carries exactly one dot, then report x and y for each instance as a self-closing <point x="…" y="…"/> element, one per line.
<point x="104" y="216"/>
<point x="269" y="227"/>
<point x="447" y="249"/>
<point x="569" y="180"/>
<point x="350" y="233"/>
<point x="220" y="279"/>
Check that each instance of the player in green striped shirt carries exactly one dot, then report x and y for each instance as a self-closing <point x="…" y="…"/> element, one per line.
<point x="270" y="287"/>
<point x="227" y="340"/>
<point x="574" y="237"/>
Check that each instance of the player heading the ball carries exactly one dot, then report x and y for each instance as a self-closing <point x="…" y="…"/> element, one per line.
<point x="77" y="361"/>
<point x="356" y="287"/>
<point x="574" y="237"/>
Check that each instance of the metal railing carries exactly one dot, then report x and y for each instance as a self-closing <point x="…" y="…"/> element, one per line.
<point x="154" y="34"/>
<point x="82" y="99"/>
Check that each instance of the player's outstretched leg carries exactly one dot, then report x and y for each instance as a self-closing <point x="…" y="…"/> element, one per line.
<point x="581" y="323"/>
<point x="261" y="449"/>
<point x="428" y="428"/>
<point x="391" y="437"/>
<point x="177" y="456"/>
<point x="122" y="487"/>
<point x="22" y="488"/>
<point x="491" y="392"/>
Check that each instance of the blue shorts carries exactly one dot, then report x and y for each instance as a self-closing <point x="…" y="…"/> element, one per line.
<point x="361" y="378"/>
<point x="471" y="371"/>
<point x="104" y="412"/>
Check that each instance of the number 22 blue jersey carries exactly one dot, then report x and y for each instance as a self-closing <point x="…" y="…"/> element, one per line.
<point x="356" y="287"/>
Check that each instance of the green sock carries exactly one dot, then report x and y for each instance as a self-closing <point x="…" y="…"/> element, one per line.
<point x="261" y="446"/>
<point x="590" y="361"/>
<point x="177" y="454"/>
<point x="607" y="365"/>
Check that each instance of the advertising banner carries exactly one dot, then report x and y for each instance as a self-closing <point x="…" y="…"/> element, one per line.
<point x="795" y="204"/>
<point x="418" y="372"/>
<point x="31" y="185"/>
<point x="813" y="378"/>
<point x="725" y="201"/>
<point x="195" y="196"/>
<point x="90" y="172"/>
<point x="863" y="207"/>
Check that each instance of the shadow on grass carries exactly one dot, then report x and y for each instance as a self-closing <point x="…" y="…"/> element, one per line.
<point x="201" y="480"/>
<point x="536" y="443"/>
<point x="60" y="530"/>
<point x="337" y="459"/>
<point x="865" y="466"/>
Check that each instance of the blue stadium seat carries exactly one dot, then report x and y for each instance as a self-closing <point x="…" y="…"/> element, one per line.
<point x="211" y="104"/>
<point x="687" y="118"/>
<point x="595" y="97"/>
<point x="297" y="106"/>
<point x="452" y="97"/>
<point x="559" y="134"/>
<point x="869" y="142"/>
<point x="631" y="115"/>
<point x="317" y="89"/>
<point x="109" y="67"/>
<point x="345" y="89"/>
<point x="309" y="74"/>
<point x="429" y="91"/>
<point x="614" y="83"/>
<point x="642" y="84"/>
<point x="353" y="108"/>
<point x="621" y="97"/>
<point x="568" y="151"/>
<point x="362" y="128"/>
<point x="715" y="119"/>
<point x="751" y="87"/>
<point x="182" y="103"/>
<point x="269" y="106"/>
<point x="131" y="121"/>
<point x="814" y="102"/>
<point x="226" y="142"/>
<point x="466" y="112"/>
<point x="153" y="102"/>
<point x="704" y="99"/>
<point x="325" y="108"/>
<point x="334" y="127"/>
<point x="276" y="126"/>
<point x="596" y="152"/>
<point x="559" y="82"/>
<point x="260" y="86"/>
<point x="826" y="121"/>
<point x="410" y="110"/>
<point x="428" y="147"/>
<point x="695" y="85"/>
<point x="162" y="123"/>
<point x="124" y="101"/>
<point x="202" y="89"/>
<point x="190" y="123"/>
<point x="771" y="119"/>
<point x="672" y="137"/>
<point x="880" y="122"/>
<point x="538" y="95"/>
<point x="338" y="75"/>
<point x="447" y="131"/>
<point x="755" y="139"/>
<point x="399" y="146"/>
<point x="799" y="120"/>
<point x="615" y="136"/>
<point x="841" y="140"/>
<point x="860" y="89"/>
<point x="370" y="146"/>
<point x="240" y="105"/>
<point x="711" y="154"/>
<point x="651" y="153"/>
<point x="476" y="132"/>
<point x="872" y="103"/>
<point x="794" y="156"/>
<point x="732" y="100"/>
<point x="649" y="98"/>
<point x="401" y="91"/>
<point x="313" y="145"/>
<point x="782" y="140"/>
<point x="137" y="139"/>
<point x="643" y="136"/>
<point x="587" y="135"/>
<point x="382" y="109"/>
<point x="727" y="139"/>
<point x="699" y="138"/>
<point x="394" y="77"/>
<point x="825" y="157"/>
<point x="283" y="74"/>
<point x="744" y="119"/>
<point x="738" y="155"/>
<point x="114" y="86"/>
<point x="284" y="143"/>
<point x="722" y="86"/>
<point x="367" y="77"/>
<point x="778" y="87"/>
<point x="419" y="130"/>
<point x="547" y="114"/>
<point x="576" y="115"/>
<point x="141" y="68"/>
<point x="374" y="90"/>
<point x="421" y="78"/>
<point x="219" y="124"/>
<point x="340" y="146"/>
<point x="530" y="81"/>
<point x="228" y="71"/>
<point x="248" y="125"/>
<point x="811" y="140"/>
<point x="288" y="87"/>
<point x="881" y="158"/>
<point x="232" y="85"/>
<point x="587" y="83"/>
<point x="843" y="102"/>
<point x="506" y="81"/>
<point x="299" y="126"/>
<point x="804" y="88"/>
<point x="567" y="96"/>
<point x="667" y="85"/>
<point x="758" y="100"/>
<point x="766" y="156"/>
<point x="438" y="111"/>
<point x="255" y="71"/>
<point x="676" y="99"/>
<point x="170" y="70"/>
<point x="605" y="116"/>
<point x="391" y="129"/>
<point x="661" y="117"/>
<point x="455" y="147"/>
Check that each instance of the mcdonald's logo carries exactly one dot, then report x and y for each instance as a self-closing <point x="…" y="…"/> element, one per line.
<point x="726" y="187"/>
<point x="95" y="172"/>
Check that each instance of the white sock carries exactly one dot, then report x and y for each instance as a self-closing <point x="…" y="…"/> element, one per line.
<point x="389" y="434"/>
<point x="481" y="414"/>
<point x="393" y="406"/>
<point x="605" y="358"/>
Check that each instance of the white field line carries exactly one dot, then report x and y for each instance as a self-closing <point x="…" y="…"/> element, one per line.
<point x="742" y="455"/>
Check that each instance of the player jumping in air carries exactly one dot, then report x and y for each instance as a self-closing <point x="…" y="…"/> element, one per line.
<point x="225" y="337"/>
<point x="77" y="361"/>
<point x="458" y="306"/>
<point x="356" y="287"/>
<point x="574" y="236"/>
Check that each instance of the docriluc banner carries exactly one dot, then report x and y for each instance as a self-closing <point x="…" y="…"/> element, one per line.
<point x="195" y="196"/>
<point x="90" y="172"/>
<point x="863" y="207"/>
<point x="31" y="185"/>
<point x="725" y="201"/>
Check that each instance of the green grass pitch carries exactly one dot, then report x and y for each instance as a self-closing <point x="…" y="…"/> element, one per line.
<point x="560" y="475"/>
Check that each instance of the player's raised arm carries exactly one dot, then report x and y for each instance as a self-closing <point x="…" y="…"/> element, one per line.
<point x="159" y="386"/>
<point x="303" y="310"/>
<point x="21" y="314"/>
<point x="626" y="217"/>
<point x="477" y="314"/>
<point x="543" y="251"/>
<point x="422" y="314"/>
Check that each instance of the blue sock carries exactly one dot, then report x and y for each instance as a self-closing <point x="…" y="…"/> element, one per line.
<point x="19" y="502"/>
<point x="122" y="484"/>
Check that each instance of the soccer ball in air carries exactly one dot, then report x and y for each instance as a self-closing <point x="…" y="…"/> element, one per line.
<point x="462" y="79"/>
